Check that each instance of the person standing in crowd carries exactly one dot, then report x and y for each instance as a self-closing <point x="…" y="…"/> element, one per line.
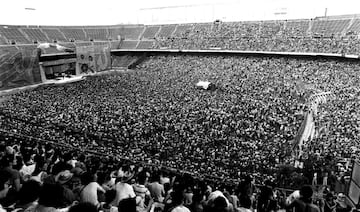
<point x="142" y="193"/>
<point x="5" y="185"/>
<point x="156" y="189"/>
<point x="7" y="164"/>
<point x="304" y="203"/>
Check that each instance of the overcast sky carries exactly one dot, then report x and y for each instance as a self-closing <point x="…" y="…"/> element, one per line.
<point x="95" y="12"/>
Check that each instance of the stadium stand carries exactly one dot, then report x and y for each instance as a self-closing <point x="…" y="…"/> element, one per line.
<point x="150" y="32"/>
<point x="3" y="40"/>
<point x="166" y="30"/>
<point x="131" y="33"/>
<point x="181" y="29"/>
<point x="152" y="128"/>
<point x="296" y="28"/>
<point x="355" y="27"/>
<point x="114" y="33"/>
<point x="74" y="34"/>
<point x="144" y="44"/>
<point x="123" y="61"/>
<point x="98" y="34"/>
<point x="326" y="35"/>
<point x="329" y="27"/>
<point x="128" y="44"/>
<point x="271" y="28"/>
<point x="35" y="34"/>
<point x="54" y="34"/>
<point x="13" y="34"/>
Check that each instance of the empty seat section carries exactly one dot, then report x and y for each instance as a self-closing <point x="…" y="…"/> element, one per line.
<point x="355" y="27"/>
<point x="54" y="34"/>
<point x="3" y="40"/>
<point x="13" y="34"/>
<point x="182" y="29"/>
<point x="35" y="34"/>
<point x="131" y="33"/>
<point x="123" y="61"/>
<point x="329" y="26"/>
<point x="166" y="31"/>
<point x="128" y="44"/>
<point x="74" y="33"/>
<point x="97" y="33"/>
<point x="145" y="44"/>
<point x="150" y="32"/>
<point x="114" y="33"/>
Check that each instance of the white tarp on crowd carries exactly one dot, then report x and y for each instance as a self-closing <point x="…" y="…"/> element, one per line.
<point x="203" y="84"/>
<point x="53" y="45"/>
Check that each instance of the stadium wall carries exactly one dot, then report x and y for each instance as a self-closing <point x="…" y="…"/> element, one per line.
<point x="19" y="66"/>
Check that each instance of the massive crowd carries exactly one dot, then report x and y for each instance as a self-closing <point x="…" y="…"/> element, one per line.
<point x="43" y="176"/>
<point x="255" y="36"/>
<point x="156" y="115"/>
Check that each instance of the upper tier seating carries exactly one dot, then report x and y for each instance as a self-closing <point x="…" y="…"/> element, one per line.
<point x="97" y="33"/>
<point x="145" y="44"/>
<point x="180" y="29"/>
<point x="35" y="34"/>
<point x="304" y="35"/>
<point x="329" y="27"/>
<point x="114" y="33"/>
<point x="128" y="44"/>
<point x="74" y="34"/>
<point x="13" y="34"/>
<point x="131" y="33"/>
<point x="150" y="32"/>
<point x="54" y="34"/>
<point x="166" y="30"/>
<point x="355" y="27"/>
<point x="3" y="40"/>
<point x="296" y="28"/>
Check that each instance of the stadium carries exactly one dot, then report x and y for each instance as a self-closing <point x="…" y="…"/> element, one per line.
<point x="242" y="108"/>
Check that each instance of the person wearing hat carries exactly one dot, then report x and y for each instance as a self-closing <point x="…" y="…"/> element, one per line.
<point x="64" y="179"/>
<point x="341" y="205"/>
<point x="304" y="203"/>
<point x="123" y="189"/>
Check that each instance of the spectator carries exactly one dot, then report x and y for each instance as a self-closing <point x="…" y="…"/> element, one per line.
<point x="156" y="189"/>
<point x="7" y="164"/>
<point x="124" y="191"/>
<point x="142" y="193"/>
<point x="50" y="199"/>
<point x="304" y="203"/>
<point x="28" y="195"/>
<point x="5" y="185"/>
<point x="84" y="206"/>
<point x="90" y="190"/>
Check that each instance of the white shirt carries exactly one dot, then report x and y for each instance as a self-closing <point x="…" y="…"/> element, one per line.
<point x="123" y="191"/>
<point x="89" y="193"/>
